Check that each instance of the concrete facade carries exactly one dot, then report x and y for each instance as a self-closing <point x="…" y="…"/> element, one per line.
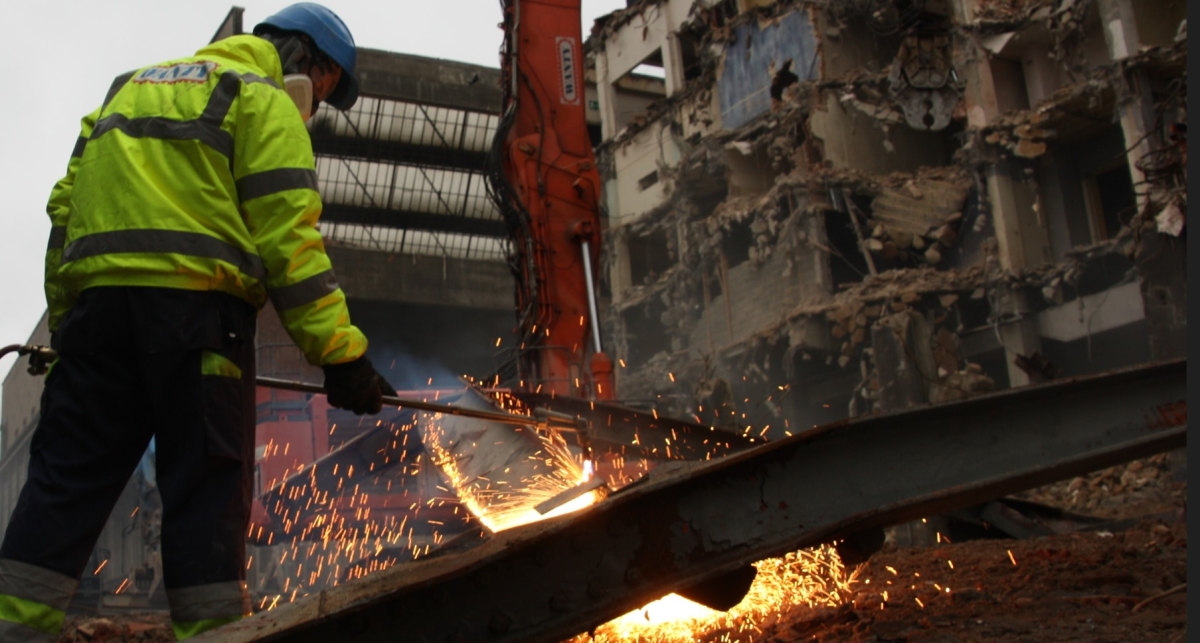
<point x="992" y="186"/>
<point x="422" y="279"/>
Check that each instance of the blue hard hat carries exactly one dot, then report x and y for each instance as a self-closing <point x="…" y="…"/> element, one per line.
<point x="330" y="35"/>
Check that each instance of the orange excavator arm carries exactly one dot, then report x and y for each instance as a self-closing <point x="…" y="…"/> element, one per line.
<point x="545" y="182"/>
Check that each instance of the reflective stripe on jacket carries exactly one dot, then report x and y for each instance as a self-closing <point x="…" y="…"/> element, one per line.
<point x="198" y="609"/>
<point x="199" y="174"/>
<point x="33" y="602"/>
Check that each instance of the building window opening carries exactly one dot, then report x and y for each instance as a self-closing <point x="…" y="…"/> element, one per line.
<point x="649" y="256"/>
<point x="1011" y="90"/>
<point x="689" y="45"/>
<point x="647" y="181"/>
<point x="974" y="313"/>
<point x="1086" y="186"/>
<point x="847" y="265"/>
<point x="736" y="243"/>
<point x="651" y="67"/>
<point x="1110" y="201"/>
<point x="637" y="89"/>
<point x="783" y="79"/>
<point x="644" y="331"/>
<point x="649" y="70"/>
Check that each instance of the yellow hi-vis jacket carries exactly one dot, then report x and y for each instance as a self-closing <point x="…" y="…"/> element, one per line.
<point x="199" y="174"/>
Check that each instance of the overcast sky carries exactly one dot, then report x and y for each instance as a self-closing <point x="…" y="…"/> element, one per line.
<point x="61" y="57"/>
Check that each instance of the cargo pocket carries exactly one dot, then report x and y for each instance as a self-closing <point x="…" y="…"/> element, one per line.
<point x="221" y="380"/>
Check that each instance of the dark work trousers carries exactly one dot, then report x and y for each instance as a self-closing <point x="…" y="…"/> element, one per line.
<point x="129" y="368"/>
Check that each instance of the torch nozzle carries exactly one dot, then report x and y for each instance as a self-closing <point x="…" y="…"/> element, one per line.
<point x="40" y="357"/>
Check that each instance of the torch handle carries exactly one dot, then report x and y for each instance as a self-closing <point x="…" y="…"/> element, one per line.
<point x="419" y="405"/>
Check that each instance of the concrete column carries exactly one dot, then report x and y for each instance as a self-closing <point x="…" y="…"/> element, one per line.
<point x="983" y="106"/>
<point x="619" y="273"/>
<point x="904" y="360"/>
<point x="905" y="367"/>
<point x="1041" y="74"/>
<point x="964" y="10"/>
<point x="1161" y="259"/>
<point x="1021" y="233"/>
<point x="1162" y="263"/>
<point x="672" y="56"/>
<point x="1018" y="337"/>
<point x="1120" y="28"/>
<point x="1137" y="111"/>
<point x="606" y="96"/>
<point x="1137" y="120"/>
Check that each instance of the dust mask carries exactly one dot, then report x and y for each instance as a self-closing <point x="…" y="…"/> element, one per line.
<point x="300" y="88"/>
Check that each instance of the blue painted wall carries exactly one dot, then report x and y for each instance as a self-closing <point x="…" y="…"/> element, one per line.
<point x="744" y="86"/>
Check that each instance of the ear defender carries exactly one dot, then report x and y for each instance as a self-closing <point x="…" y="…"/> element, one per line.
<point x="300" y="89"/>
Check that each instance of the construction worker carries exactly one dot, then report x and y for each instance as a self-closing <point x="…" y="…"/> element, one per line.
<point x="190" y="200"/>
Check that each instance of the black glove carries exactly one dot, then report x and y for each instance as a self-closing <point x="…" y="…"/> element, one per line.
<point x="356" y="386"/>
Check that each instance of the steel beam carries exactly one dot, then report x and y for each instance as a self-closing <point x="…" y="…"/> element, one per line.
<point x="410" y="220"/>
<point x="619" y="428"/>
<point x="430" y="156"/>
<point x="428" y="81"/>
<point x="694" y="521"/>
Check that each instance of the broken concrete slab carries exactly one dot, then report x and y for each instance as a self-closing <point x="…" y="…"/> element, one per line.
<point x="923" y="204"/>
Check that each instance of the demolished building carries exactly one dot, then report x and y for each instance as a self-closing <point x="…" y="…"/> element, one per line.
<point x="823" y="209"/>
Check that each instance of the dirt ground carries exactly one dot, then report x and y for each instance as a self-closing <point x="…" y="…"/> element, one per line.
<point x="150" y="627"/>
<point x="1097" y="586"/>
<point x="1093" y="586"/>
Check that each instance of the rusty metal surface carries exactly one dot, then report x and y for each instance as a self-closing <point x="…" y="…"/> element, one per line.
<point x="692" y="521"/>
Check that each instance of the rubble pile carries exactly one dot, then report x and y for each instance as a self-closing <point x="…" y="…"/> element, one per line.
<point x="1089" y="586"/>
<point x="1117" y="580"/>
<point x="149" y="627"/>
<point x="1139" y="488"/>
